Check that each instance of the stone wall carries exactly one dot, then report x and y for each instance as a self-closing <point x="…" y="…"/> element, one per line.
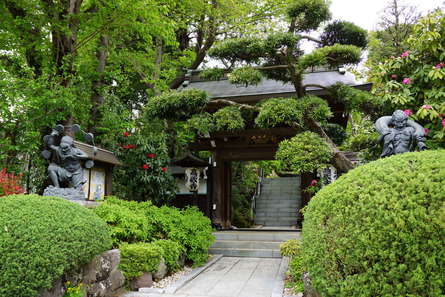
<point x="101" y="277"/>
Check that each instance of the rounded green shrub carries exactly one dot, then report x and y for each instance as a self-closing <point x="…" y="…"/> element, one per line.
<point x="138" y="258"/>
<point x="171" y="252"/>
<point x="280" y="112"/>
<point x="379" y="230"/>
<point x="305" y="152"/>
<point x="229" y="119"/>
<point x="290" y="248"/>
<point x="41" y="238"/>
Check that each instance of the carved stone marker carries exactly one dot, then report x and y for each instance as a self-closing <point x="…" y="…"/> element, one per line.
<point x="399" y="134"/>
<point x="65" y="164"/>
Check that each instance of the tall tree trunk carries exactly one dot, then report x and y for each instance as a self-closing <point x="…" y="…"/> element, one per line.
<point x="97" y="98"/>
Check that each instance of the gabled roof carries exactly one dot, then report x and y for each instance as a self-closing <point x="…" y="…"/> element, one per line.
<point x="102" y="154"/>
<point x="190" y="160"/>
<point x="268" y="88"/>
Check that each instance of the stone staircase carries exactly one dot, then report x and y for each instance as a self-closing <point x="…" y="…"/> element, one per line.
<point x="256" y="244"/>
<point x="279" y="202"/>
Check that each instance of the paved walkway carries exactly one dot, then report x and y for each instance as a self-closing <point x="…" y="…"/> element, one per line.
<point x="233" y="277"/>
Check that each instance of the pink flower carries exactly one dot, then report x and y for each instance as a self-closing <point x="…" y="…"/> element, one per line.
<point x="313" y="183"/>
<point x="443" y="122"/>
<point x="145" y="166"/>
<point x="426" y="106"/>
<point x="406" y="81"/>
<point x="394" y="76"/>
<point x="126" y="134"/>
<point x="408" y="112"/>
<point x="426" y="131"/>
<point x="405" y="54"/>
<point x="438" y="66"/>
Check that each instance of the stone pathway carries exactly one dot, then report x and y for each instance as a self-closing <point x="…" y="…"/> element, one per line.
<point x="232" y="277"/>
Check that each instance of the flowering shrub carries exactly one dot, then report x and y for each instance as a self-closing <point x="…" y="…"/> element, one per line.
<point x="415" y="80"/>
<point x="9" y="183"/>
<point x="144" y="175"/>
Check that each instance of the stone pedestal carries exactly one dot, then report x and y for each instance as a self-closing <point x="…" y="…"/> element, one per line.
<point x="65" y="193"/>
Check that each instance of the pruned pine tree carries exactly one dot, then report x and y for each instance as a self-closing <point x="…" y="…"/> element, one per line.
<point x="279" y="56"/>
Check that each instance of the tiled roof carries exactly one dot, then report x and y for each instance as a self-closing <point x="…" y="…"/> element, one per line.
<point x="224" y="89"/>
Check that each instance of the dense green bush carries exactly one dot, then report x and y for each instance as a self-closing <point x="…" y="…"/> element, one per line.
<point x="245" y="76"/>
<point x="228" y="119"/>
<point x="305" y="152"/>
<point x="42" y="238"/>
<point x="176" y="105"/>
<point x="280" y="112"/>
<point x="188" y="227"/>
<point x="137" y="258"/>
<point x="127" y="220"/>
<point x="290" y="248"/>
<point x="171" y="252"/>
<point x="379" y="229"/>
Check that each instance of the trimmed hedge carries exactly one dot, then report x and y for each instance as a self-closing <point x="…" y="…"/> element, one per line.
<point x="132" y="222"/>
<point x="137" y="258"/>
<point x="42" y="238"/>
<point x="379" y="230"/>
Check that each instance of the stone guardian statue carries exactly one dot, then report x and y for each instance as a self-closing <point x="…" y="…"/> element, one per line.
<point x="399" y="134"/>
<point x="65" y="164"/>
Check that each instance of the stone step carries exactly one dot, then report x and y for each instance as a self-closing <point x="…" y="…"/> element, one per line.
<point x="252" y="253"/>
<point x="276" y="217"/>
<point x="271" y="213"/>
<point x="276" y="205"/>
<point x="292" y="209"/>
<point x="279" y="196"/>
<point x="244" y="244"/>
<point x="268" y="236"/>
<point x="276" y="222"/>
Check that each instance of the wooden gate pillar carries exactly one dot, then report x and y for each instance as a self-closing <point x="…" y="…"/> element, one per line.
<point x="221" y="179"/>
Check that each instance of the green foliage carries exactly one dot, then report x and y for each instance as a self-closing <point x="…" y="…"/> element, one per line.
<point x="176" y="105"/>
<point x="335" y="132"/>
<point x="290" y="112"/>
<point x="144" y="154"/>
<point x="244" y="179"/>
<point x="342" y="32"/>
<point x="415" y="80"/>
<point x="305" y="152"/>
<point x="212" y="74"/>
<point x="379" y="229"/>
<point x="280" y="112"/>
<point x="356" y="100"/>
<point x="309" y="14"/>
<point x="201" y="124"/>
<point x="75" y="291"/>
<point x="228" y="119"/>
<point x="277" y="41"/>
<point x="296" y="270"/>
<point x="247" y="49"/>
<point x="42" y="238"/>
<point x="187" y="227"/>
<point x="127" y="220"/>
<point x="171" y="252"/>
<point x="290" y="248"/>
<point x="245" y="76"/>
<point x="334" y="56"/>
<point x="137" y="258"/>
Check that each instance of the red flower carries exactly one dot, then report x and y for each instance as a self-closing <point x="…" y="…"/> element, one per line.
<point x="426" y="130"/>
<point x="408" y="112"/>
<point x="151" y="155"/>
<point x="164" y="169"/>
<point x="394" y="76"/>
<point x="145" y="166"/>
<point x="313" y="183"/>
<point x="126" y="134"/>
<point x="128" y="146"/>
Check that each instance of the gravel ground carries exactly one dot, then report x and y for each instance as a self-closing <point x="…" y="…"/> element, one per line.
<point x="167" y="281"/>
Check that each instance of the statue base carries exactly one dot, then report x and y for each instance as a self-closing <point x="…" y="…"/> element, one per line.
<point x="65" y="193"/>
